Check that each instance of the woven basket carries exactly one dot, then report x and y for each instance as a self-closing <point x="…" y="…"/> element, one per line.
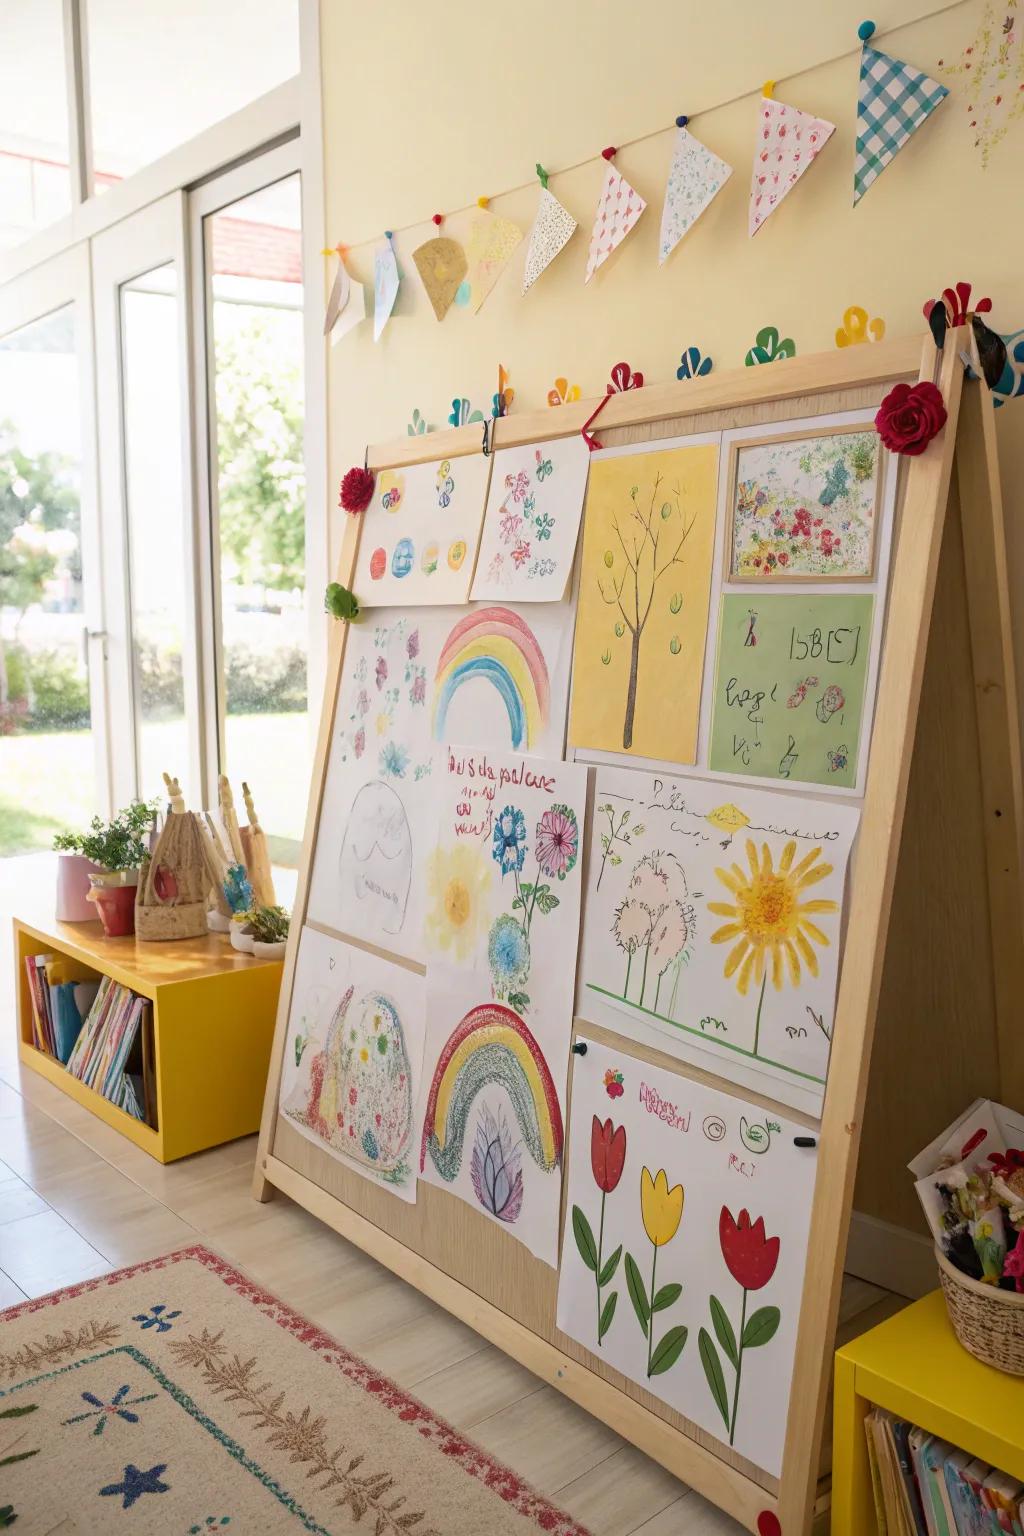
<point x="989" y="1322"/>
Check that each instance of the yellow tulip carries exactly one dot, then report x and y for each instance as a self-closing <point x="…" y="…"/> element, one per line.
<point x="661" y="1207"/>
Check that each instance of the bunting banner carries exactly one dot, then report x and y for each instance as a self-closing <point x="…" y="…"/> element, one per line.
<point x="491" y="244"/>
<point x="893" y="100"/>
<point x="552" y="230"/>
<point x="386" y="279"/>
<point x="695" y="177"/>
<point x="789" y="142"/>
<point x="618" y="211"/>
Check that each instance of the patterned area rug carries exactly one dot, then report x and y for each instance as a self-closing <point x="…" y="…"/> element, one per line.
<point x="177" y="1397"/>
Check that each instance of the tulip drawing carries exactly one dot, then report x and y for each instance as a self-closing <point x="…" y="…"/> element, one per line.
<point x="751" y="1258"/>
<point x="662" y="1210"/>
<point x="607" y="1160"/>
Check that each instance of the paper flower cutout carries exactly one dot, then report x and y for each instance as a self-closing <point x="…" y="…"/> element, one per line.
<point x="768" y="348"/>
<point x="910" y="416"/>
<point x="441" y="263"/>
<point x="857" y="328"/>
<point x="501" y="401"/>
<point x="692" y="365"/>
<point x="957" y="304"/>
<point x="624" y="378"/>
<point x="418" y="425"/>
<point x="563" y="392"/>
<point x="462" y="413"/>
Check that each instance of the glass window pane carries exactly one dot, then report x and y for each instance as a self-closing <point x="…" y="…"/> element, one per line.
<point x="35" y="186"/>
<point x="161" y="71"/>
<point x="156" y="523"/>
<point x="255" y="253"/>
<point x="47" y="777"/>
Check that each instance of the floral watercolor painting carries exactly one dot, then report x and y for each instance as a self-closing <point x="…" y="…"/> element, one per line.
<point x="685" y="1245"/>
<point x="805" y="507"/>
<point x="532" y="521"/>
<point x="713" y="932"/>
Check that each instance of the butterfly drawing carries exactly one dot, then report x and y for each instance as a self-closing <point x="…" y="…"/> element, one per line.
<point x="544" y="466"/>
<point x="839" y="759"/>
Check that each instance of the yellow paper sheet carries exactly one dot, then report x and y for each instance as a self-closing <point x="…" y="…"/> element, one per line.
<point x="648" y="546"/>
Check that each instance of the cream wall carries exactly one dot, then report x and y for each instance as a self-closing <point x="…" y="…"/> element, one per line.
<point x="426" y="108"/>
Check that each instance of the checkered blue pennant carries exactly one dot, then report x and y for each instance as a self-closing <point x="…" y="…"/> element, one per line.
<point x="893" y="101"/>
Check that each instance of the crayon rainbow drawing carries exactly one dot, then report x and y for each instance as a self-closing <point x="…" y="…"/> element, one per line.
<point x="498" y="646"/>
<point x="491" y="1046"/>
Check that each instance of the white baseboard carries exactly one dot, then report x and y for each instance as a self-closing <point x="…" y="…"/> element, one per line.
<point x="891" y="1256"/>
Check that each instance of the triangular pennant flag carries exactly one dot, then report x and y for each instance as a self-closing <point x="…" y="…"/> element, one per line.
<point x="694" y="177"/>
<point x="346" y="304"/>
<point x="788" y="143"/>
<point x="552" y="230"/>
<point x="441" y="263"/>
<point x="386" y="279"/>
<point x="491" y="242"/>
<point x="893" y="100"/>
<point x="618" y="209"/>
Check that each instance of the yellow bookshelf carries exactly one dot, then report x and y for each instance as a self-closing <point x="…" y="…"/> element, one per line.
<point x="213" y="1024"/>
<point x="913" y="1366"/>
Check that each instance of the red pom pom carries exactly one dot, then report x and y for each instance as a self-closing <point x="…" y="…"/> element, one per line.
<point x="609" y="153"/>
<point x="437" y="219"/>
<point x="910" y="416"/>
<point x="356" y="489"/>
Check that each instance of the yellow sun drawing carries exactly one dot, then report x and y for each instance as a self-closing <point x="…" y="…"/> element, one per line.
<point x="770" y="925"/>
<point x="458" y="884"/>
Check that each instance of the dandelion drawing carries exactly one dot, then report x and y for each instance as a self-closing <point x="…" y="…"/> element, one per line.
<point x="508" y="955"/>
<point x="607" y="1160"/>
<point x="662" y="1210"/>
<point x="751" y="1258"/>
<point x="770" y="926"/>
<point x="655" y="918"/>
<point x="651" y="539"/>
<point x="496" y="1167"/>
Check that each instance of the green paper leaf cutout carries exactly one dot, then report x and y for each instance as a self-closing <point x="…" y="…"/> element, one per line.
<point x="666" y="1296"/>
<point x="611" y="1265"/>
<point x="713" y="1372"/>
<point x="584" y="1238"/>
<point x="724" y="1331"/>
<point x="637" y="1294"/>
<point x="607" y="1313"/>
<point x="761" y="1328"/>
<point x="667" y="1352"/>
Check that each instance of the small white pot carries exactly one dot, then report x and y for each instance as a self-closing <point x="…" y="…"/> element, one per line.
<point x="273" y="951"/>
<point x="217" y="922"/>
<point x="241" y="940"/>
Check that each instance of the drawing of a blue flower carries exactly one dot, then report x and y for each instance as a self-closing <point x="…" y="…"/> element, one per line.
<point x="394" y="760"/>
<point x="509" y="846"/>
<point x="508" y="954"/>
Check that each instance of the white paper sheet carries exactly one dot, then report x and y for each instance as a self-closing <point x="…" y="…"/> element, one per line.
<point x="714" y="1167"/>
<point x="352" y="1059"/>
<point x="532" y="521"/>
<point x="712" y="926"/>
<point x="420" y="533"/>
<point x="386" y="280"/>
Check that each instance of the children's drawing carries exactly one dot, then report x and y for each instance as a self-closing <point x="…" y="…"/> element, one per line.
<point x="706" y="1235"/>
<point x="607" y="1160"/>
<point x="992" y="67"/>
<point x="503" y="678"/>
<point x="352" y="1085"/>
<point x="532" y="521"/>
<point x="368" y="866"/>
<point x="643" y="603"/>
<point x="775" y="661"/>
<point x="804" y="507"/>
<point x="419" y="535"/>
<point x="491" y="1113"/>
<point x="716" y="934"/>
<point x="751" y="1259"/>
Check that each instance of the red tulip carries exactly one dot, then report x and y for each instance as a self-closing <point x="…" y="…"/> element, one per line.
<point x="607" y="1153"/>
<point x="750" y="1255"/>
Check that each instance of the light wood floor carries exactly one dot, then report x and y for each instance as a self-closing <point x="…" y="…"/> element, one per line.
<point x="77" y="1200"/>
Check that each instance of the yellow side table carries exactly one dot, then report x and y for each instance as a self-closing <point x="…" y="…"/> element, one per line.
<point x="913" y="1366"/>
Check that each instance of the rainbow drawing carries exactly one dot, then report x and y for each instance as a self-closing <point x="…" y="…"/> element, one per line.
<point x="499" y="646"/>
<point x="491" y="1046"/>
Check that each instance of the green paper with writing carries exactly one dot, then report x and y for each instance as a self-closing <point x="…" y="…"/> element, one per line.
<point x="789" y="685"/>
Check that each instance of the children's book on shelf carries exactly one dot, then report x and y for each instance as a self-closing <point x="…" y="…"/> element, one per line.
<point x="109" y="1055"/>
<point x="62" y="991"/>
<point x="924" y="1486"/>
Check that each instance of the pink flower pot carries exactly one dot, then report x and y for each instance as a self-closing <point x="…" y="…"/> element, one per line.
<point x="73" y="904"/>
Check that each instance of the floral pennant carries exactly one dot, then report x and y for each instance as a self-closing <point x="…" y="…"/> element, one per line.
<point x="788" y="143"/>
<point x="695" y="177"/>
<point x="618" y="210"/>
<point x="553" y="228"/>
<point x="893" y="101"/>
<point x="489" y="249"/>
<point x="992" y="65"/>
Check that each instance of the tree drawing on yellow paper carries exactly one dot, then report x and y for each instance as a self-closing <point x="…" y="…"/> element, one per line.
<point x="651" y="538"/>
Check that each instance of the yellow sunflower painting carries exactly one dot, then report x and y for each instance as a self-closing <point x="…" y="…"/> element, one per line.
<point x="770" y="924"/>
<point x="458" y="886"/>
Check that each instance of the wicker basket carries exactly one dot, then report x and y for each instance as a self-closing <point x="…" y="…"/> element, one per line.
<point x="989" y="1322"/>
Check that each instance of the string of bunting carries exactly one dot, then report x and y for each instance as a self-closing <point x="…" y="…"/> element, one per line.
<point x="894" y="100"/>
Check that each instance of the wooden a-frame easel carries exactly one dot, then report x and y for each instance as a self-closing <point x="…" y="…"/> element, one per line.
<point x="934" y="952"/>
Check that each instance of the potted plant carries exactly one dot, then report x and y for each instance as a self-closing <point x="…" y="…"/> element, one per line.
<point x="240" y="932"/>
<point x="115" y="849"/>
<point x="269" y="928"/>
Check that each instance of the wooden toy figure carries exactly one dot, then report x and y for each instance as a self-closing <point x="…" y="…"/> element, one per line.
<point x="257" y="854"/>
<point x="174" y="886"/>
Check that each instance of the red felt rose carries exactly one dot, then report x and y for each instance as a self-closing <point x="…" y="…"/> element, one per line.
<point x="356" y="490"/>
<point x="910" y="416"/>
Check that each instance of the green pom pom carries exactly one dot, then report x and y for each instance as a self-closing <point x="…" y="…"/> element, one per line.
<point x="340" y="603"/>
<point x="866" y="30"/>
